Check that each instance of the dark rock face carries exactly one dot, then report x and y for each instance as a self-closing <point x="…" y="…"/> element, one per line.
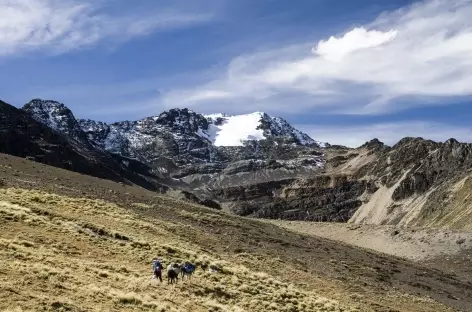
<point x="23" y="136"/>
<point x="250" y="192"/>
<point x="182" y="120"/>
<point x="341" y="159"/>
<point x="56" y="116"/>
<point x="279" y="128"/>
<point x="323" y="198"/>
<point x="201" y="201"/>
<point x="255" y="171"/>
<point x="173" y="134"/>
<point x="373" y="144"/>
<point x="417" y="182"/>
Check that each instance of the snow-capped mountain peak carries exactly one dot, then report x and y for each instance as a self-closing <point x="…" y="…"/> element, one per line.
<point x="180" y="134"/>
<point x="234" y="130"/>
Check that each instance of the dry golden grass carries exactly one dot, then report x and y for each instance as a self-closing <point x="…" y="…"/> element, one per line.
<point x="75" y="254"/>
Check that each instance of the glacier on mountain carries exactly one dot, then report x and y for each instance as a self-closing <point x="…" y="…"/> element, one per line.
<point x="234" y="130"/>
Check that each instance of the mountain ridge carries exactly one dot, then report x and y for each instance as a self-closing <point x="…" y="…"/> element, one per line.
<point x="24" y="136"/>
<point x="182" y="134"/>
<point x="414" y="182"/>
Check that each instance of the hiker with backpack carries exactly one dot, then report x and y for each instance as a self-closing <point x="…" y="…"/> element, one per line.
<point x="157" y="269"/>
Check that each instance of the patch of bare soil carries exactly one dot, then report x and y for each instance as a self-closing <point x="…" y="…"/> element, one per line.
<point x="448" y="250"/>
<point x="418" y="244"/>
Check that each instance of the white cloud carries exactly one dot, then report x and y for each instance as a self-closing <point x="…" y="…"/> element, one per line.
<point x="335" y="49"/>
<point x="64" y="25"/>
<point x="389" y="133"/>
<point x="422" y="51"/>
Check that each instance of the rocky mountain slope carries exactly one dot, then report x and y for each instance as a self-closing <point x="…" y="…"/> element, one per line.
<point x="255" y="165"/>
<point x="25" y="136"/>
<point x="196" y="150"/>
<point x="188" y="137"/>
<point x="56" y="116"/>
<point x="214" y="150"/>
<point x="420" y="182"/>
<point x="416" y="182"/>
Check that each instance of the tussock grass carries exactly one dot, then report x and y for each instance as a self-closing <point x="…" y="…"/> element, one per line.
<point x="82" y="254"/>
<point x="16" y="309"/>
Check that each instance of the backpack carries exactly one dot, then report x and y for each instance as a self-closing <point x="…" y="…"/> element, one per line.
<point x="189" y="268"/>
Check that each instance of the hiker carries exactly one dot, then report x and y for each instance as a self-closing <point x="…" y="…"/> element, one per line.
<point x="157" y="268"/>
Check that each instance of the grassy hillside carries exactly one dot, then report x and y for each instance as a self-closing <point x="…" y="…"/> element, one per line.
<point x="70" y="242"/>
<point x="84" y="255"/>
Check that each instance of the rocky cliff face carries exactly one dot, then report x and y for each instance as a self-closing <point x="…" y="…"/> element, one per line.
<point x="417" y="179"/>
<point x="56" y="116"/>
<point x="321" y="198"/>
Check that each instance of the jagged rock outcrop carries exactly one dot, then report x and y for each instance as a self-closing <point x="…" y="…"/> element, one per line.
<point x="414" y="182"/>
<point x="176" y="134"/>
<point x="56" y="116"/>
<point x="425" y="163"/>
<point x="414" y="176"/>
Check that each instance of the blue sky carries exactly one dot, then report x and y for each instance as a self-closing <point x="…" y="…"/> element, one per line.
<point x="343" y="71"/>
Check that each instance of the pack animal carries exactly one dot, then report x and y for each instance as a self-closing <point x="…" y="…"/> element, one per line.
<point x="173" y="271"/>
<point x="187" y="269"/>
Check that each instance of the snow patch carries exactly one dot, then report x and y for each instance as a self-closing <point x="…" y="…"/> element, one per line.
<point x="234" y="130"/>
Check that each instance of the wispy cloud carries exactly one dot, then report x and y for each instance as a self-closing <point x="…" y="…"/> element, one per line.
<point x="422" y="51"/>
<point x="59" y="26"/>
<point x="335" y="49"/>
<point x="389" y="133"/>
